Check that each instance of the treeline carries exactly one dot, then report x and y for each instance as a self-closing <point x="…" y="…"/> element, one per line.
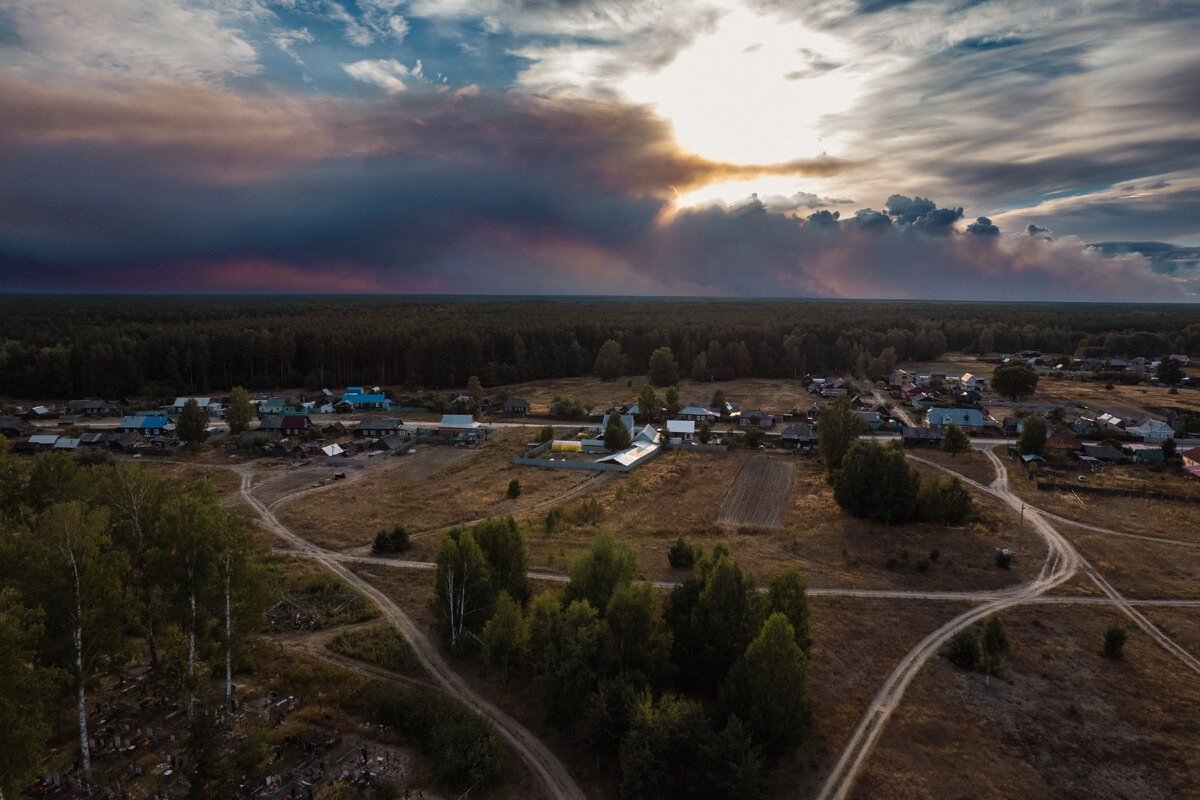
<point x="92" y="556"/>
<point x="697" y="698"/>
<point x="64" y="346"/>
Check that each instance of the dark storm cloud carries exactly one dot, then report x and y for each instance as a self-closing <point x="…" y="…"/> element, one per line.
<point x="983" y="227"/>
<point x="1165" y="258"/>
<point x="1037" y="232"/>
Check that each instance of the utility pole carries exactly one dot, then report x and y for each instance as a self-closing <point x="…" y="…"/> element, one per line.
<point x="1021" y="529"/>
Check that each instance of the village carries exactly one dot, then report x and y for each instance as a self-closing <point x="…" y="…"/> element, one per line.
<point x="359" y="424"/>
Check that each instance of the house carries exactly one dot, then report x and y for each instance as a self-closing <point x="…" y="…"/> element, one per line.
<point x="966" y="397"/>
<point x="246" y="438"/>
<point x="43" y="441"/>
<point x="747" y="417"/>
<point x="1063" y="441"/>
<point x="65" y="443"/>
<point x="206" y="404"/>
<point x="1147" y="453"/>
<point x="969" y="419"/>
<point x="124" y="442"/>
<point x="683" y="429"/>
<point x="377" y="428"/>
<point x="357" y="399"/>
<point x="1180" y="358"/>
<point x="834" y="388"/>
<point x="461" y="426"/>
<point x="923" y="401"/>
<point x="647" y="436"/>
<point x="871" y="418"/>
<point x="902" y="378"/>
<point x="1105" y="452"/>
<point x="146" y="425"/>
<point x="920" y="437"/>
<point x="697" y="413"/>
<point x="285" y="424"/>
<point x="1013" y="426"/>
<point x="1191" y="458"/>
<point x="1112" y="422"/>
<point x="857" y="403"/>
<point x="279" y="405"/>
<point x="798" y="437"/>
<point x="1151" y="430"/>
<point x="1193" y="471"/>
<point x="94" y="407"/>
<point x="332" y="450"/>
<point x="516" y="407"/>
<point x="12" y="427"/>
<point x="1085" y="426"/>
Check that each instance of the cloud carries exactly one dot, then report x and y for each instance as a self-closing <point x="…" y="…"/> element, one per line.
<point x="983" y="227"/>
<point x="286" y="40"/>
<point x="387" y="74"/>
<point x="170" y="40"/>
<point x="1165" y="258"/>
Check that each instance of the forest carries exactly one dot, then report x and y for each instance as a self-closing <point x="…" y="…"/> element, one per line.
<point x="128" y="346"/>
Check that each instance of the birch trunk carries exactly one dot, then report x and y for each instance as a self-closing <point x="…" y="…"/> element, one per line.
<point x="192" y="655"/>
<point x="84" y="750"/>
<point x="228" y="646"/>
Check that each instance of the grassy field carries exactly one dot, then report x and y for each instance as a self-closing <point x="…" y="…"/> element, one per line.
<point x="1062" y="723"/>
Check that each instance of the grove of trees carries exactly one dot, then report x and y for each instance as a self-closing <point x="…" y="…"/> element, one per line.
<point x="697" y="699"/>
<point x="92" y="556"/>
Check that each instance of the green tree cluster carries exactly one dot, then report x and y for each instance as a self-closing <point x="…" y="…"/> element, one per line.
<point x="616" y="435"/>
<point x="1015" y="380"/>
<point x="875" y="482"/>
<point x="92" y="555"/>
<point x="396" y="540"/>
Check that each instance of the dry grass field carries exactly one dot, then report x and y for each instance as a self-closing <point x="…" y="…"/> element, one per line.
<point x="1141" y="396"/>
<point x="1062" y="723"/>
<point x="1165" y="519"/>
<point x="768" y="394"/>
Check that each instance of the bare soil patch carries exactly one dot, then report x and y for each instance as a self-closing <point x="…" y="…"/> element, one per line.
<point x="1063" y="723"/>
<point x="760" y="494"/>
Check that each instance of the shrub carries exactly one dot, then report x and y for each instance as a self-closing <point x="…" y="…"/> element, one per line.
<point x="1114" y="641"/>
<point x="922" y="565"/>
<point x="1003" y="559"/>
<point x="545" y="434"/>
<point x="553" y="517"/>
<point x="681" y="555"/>
<point x="935" y="554"/>
<point x="383" y="647"/>
<point x="394" y="541"/>
<point x="963" y="650"/>
<point x="514" y="488"/>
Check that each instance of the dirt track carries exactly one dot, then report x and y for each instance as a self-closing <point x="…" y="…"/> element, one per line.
<point x="759" y="496"/>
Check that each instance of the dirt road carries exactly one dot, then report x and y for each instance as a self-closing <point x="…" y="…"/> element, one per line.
<point x="558" y="781"/>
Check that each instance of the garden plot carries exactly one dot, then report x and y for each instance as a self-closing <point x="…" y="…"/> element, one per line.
<point x="759" y="497"/>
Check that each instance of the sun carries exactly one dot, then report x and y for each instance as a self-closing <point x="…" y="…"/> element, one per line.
<point x="753" y="91"/>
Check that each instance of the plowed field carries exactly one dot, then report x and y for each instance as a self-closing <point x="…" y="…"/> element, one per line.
<point x="759" y="497"/>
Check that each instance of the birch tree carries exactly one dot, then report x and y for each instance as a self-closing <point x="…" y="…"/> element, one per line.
<point x="134" y="495"/>
<point x="78" y="582"/>
<point x="462" y="593"/>
<point x="192" y="526"/>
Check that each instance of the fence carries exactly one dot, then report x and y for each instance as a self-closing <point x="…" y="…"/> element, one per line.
<point x="1054" y="486"/>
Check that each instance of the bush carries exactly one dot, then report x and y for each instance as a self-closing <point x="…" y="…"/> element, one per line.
<point x="394" y="541"/>
<point x="553" y="517"/>
<point x="681" y="555"/>
<point x="935" y="554"/>
<point x="963" y="650"/>
<point x="1114" y="641"/>
<point x="1003" y="559"/>
<point x="383" y="647"/>
<point x="514" y="488"/>
<point x="545" y="434"/>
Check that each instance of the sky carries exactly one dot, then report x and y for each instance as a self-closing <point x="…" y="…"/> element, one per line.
<point x="926" y="149"/>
